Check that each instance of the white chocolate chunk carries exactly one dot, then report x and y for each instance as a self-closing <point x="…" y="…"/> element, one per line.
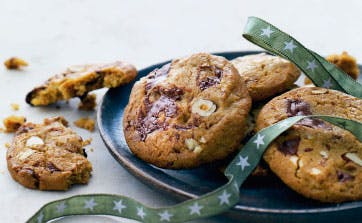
<point x="202" y="140"/>
<point x="192" y="145"/>
<point x="354" y="158"/>
<point x="25" y="154"/>
<point x="203" y="107"/>
<point x="324" y="154"/>
<point x="315" y="171"/>
<point x="294" y="160"/>
<point x="34" y="141"/>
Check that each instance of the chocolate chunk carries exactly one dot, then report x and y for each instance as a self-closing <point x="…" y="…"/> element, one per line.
<point x="308" y="150"/>
<point x="24" y="129"/>
<point x="157" y="76"/>
<point x="343" y="177"/>
<point x="85" y="153"/>
<point x="289" y="147"/>
<point x="205" y="82"/>
<point x="165" y="104"/>
<point x="174" y="93"/>
<point x="297" y="107"/>
<point x="51" y="167"/>
<point x="208" y="82"/>
<point x="314" y="123"/>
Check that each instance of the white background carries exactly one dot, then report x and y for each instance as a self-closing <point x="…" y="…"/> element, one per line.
<point x="52" y="34"/>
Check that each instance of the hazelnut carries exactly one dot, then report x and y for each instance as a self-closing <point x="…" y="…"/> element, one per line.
<point x="203" y="107"/>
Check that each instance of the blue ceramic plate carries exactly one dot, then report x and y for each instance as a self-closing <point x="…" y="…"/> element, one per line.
<point x="263" y="199"/>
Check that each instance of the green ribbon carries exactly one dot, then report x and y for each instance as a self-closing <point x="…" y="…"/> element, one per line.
<point x="212" y="203"/>
<point x="320" y="71"/>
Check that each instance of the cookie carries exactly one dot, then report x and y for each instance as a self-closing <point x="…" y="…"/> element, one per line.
<point x="266" y="75"/>
<point x="77" y="81"/>
<point x="315" y="158"/>
<point x="48" y="156"/>
<point x="187" y="113"/>
<point x="343" y="61"/>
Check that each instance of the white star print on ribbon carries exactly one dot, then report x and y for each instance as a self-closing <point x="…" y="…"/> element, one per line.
<point x="224" y="198"/>
<point x="119" y="206"/>
<point x="89" y="204"/>
<point x="165" y="216"/>
<point x="266" y="32"/>
<point x="327" y="83"/>
<point x="140" y="212"/>
<point x="289" y="46"/>
<point x="61" y="207"/>
<point x="195" y="209"/>
<point x="243" y="162"/>
<point x="259" y="140"/>
<point x="312" y="65"/>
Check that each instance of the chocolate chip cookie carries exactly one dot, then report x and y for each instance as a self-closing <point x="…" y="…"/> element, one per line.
<point x="266" y="75"/>
<point x="77" y="81"/>
<point x="48" y="156"/>
<point x="189" y="112"/>
<point x="315" y="158"/>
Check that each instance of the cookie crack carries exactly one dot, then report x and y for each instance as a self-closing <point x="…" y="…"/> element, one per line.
<point x="298" y="168"/>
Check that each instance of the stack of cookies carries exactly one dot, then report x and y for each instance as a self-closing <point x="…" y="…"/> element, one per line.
<point x="198" y="109"/>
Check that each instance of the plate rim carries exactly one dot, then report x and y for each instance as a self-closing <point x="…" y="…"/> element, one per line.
<point x="149" y="180"/>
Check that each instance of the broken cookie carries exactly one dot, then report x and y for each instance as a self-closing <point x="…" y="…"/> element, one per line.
<point x="48" y="156"/>
<point x="77" y="81"/>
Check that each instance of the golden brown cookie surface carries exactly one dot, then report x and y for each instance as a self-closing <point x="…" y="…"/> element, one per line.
<point x="187" y="113"/>
<point x="77" y="81"/>
<point x="315" y="158"/>
<point x="266" y="75"/>
<point x="48" y="156"/>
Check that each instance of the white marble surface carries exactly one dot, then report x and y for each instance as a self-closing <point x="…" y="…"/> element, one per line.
<point x="51" y="35"/>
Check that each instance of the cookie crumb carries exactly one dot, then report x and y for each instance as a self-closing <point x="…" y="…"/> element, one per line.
<point x="85" y="123"/>
<point x="88" y="103"/>
<point x="15" y="63"/>
<point x="15" y="106"/>
<point x="13" y="122"/>
<point x="87" y="142"/>
<point x="7" y="145"/>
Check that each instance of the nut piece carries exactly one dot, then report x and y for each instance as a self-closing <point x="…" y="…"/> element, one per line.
<point x="192" y="145"/>
<point x="34" y="141"/>
<point x="25" y="154"/>
<point x="320" y="91"/>
<point x="324" y="154"/>
<point x="15" y="63"/>
<point x="354" y="158"/>
<point x="203" y="107"/>
<point x="315" y="171"/>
